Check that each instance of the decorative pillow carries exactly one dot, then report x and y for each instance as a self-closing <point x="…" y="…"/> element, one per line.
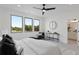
<point x="18" y="46"/>
<point x="8" y="39"/>
<point x="8" y="49"/>
<point x="8" y="46"/>
<point x="8" y="36"/>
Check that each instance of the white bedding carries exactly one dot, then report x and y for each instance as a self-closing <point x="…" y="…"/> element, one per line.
<point x="26" y="50"/>
<point x="41" y="47"/>
<point x="38" y="47"/>
<point x="32" y="46"/>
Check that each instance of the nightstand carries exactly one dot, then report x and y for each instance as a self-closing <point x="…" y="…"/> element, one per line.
<point x="56" y="35"/>
<point x="53" y="36"/>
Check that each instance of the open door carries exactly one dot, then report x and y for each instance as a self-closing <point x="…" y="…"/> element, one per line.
<point x="72" y="32"/>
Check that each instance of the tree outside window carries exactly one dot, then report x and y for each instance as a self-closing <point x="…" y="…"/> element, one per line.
<point x="16" y="24"/>
<point x="36" y="25"/>
<point x="28" y="24"/>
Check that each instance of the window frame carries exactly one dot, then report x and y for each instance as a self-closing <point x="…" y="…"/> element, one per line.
<point x="24" y="24"/>
<point x="39" y="25"/>
<point x="11" y="23"/>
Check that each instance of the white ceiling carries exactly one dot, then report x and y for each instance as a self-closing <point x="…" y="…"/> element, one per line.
<point x="28" y="8"/>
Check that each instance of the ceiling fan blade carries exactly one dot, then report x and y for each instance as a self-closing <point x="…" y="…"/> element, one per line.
<point x="50" y="8"/>
<point x="37" y="8"/>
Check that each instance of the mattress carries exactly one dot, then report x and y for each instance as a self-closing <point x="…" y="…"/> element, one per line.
<point x="38" y="47"/>
<point x="41" y="47"/>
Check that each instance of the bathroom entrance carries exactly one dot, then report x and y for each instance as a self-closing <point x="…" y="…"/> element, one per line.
<point x="72" y="32"/>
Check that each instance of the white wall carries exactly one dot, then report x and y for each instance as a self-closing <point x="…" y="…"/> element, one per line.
<point x="61" y="27"/>
<point x="62" y="17"/>
<point x="5" y="23"/>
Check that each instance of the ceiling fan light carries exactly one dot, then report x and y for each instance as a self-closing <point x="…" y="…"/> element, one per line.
<point x="44" y="10"/>
<point x="18" y="5"/>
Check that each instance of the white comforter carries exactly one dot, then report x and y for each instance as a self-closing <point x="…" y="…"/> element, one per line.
<point x="37" y="47"/>
<point x="41" y="47"/>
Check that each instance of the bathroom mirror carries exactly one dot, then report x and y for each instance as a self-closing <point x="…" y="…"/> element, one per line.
<point x="52" y="25"/>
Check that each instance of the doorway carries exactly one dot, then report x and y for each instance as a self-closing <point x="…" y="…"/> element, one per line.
<point x="72" y="32"/>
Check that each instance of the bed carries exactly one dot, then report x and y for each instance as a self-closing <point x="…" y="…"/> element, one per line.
<point x="30" y="46"/>
<point x="37" y="47"/>
<point x="41" y="47"/>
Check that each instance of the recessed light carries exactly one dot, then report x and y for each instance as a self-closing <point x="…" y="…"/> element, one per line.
<point x="18" y="5"/>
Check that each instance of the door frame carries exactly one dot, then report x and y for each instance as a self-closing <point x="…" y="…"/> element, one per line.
<point x="76" y="32"/>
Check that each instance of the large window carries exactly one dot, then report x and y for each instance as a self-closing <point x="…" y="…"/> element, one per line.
<point x="28" y="24"/>
<point x="36" y="25"/>
<point x="16" y="24"/>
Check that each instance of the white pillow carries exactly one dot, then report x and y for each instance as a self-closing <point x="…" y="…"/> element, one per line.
<point x="0" y="38"/>
<point x="18" y="46"/>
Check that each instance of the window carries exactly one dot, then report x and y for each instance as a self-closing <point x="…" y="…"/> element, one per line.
<point x="36" y="25"/>
<point x="28" y="24"/>
<point x="16" y="24"/>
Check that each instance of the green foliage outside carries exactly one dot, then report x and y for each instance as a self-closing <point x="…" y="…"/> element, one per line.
<point x="36" y="28"/>
<point x="28" y="27"/>
<point x="16" y="29"/>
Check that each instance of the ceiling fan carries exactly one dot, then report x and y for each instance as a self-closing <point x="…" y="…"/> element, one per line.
<point x="44" y="9"/>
